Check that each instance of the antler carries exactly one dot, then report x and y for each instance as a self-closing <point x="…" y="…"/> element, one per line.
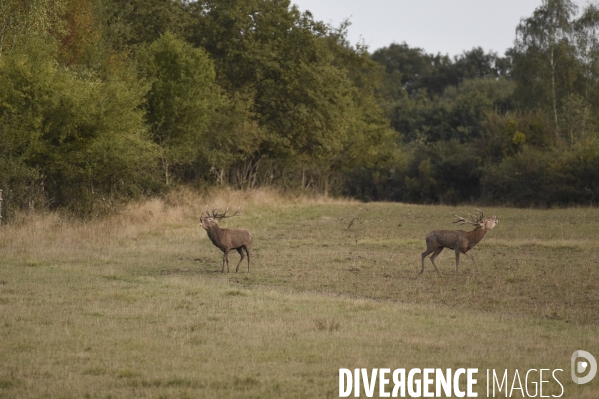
<point x="217" y="216"/>
<point x="476" y="219"/>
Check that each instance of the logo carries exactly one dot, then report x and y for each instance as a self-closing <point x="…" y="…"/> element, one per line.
<point x="580" y="366"/>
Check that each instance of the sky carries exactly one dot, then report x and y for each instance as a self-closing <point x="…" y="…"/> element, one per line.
<point x="437" y="26"/>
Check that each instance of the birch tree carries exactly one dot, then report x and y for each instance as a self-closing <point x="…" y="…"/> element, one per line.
<point x="543" y="63"/>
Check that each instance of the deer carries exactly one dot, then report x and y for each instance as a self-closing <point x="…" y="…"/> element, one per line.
<point x="458" y="240"/>
<point x="227" y="239"/>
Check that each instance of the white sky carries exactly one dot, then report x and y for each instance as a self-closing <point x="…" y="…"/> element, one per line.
<point x="437" y="26"/>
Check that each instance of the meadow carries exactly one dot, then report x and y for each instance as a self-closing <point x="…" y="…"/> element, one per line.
<point x="134" y="305"/>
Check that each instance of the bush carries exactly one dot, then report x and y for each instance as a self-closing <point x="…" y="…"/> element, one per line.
<point x="543" y="178"/>
<point x="69" y="136"/>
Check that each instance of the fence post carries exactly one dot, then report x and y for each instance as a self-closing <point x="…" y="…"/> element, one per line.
<point x="0" y="206"/>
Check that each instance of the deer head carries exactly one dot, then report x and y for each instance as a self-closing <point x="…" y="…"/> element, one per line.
<point x="214" y="217"/>
<point x="478" y="220"/>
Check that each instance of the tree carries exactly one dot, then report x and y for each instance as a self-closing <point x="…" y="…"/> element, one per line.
<point x="22" y="19"/>
<point x="578" y="107"/>
<point x="585" y="36"/>
<point x="476" y="63"/>
<point x="305" y="99"/>
<point x="231" y="151"/>
<point x="129" y="24"/>
<point x="181" y="99"/>
<point x="543" y="56"/>
<point x="412" y="69"/>
<point x="72" y="138"/>
<point x="405" y="68"/>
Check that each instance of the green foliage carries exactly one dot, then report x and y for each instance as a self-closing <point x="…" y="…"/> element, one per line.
<point x="21" y="20"/>
<point x="542" y="178"/>
<point x="575" y="122"/>
<point x="231" y="153"/>
<point x="443" y="172"/>
<point x="446" y="172"/>
<point x="460" y="113"/>
<point x="181" y="99"/>
<point x="312" y="98"/>
<point x="130" y="24"/>
<point x="412" y="70"/>
<point x="531" y="110"/>
<point x="423" y="186"/>
<point x="77" y="139"/>
<point x="586" y="39"/>
<point x="507" y="134"/>
<point x="545" y="68"/>
<point x="100" y="96"/>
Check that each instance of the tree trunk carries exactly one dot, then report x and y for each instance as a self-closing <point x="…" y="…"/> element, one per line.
<point x="165" y="170"/>
<point x="554" y="95"/>
<point x="303" y="177"/>
<point x="325" y="184"/>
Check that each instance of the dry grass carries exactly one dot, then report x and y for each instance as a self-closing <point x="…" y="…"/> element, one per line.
<point x="135" y="305"/>
<point x="56" y="236"/>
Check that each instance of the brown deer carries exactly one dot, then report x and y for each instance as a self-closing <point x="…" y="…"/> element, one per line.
<point x="458" y="240"/>
<point x="227" y="239"/>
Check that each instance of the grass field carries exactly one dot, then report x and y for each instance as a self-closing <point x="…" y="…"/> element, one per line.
<point x="135" y="305"/>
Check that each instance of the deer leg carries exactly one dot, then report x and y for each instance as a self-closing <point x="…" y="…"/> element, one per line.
<point x="247" y="251"/>
<point x="240" y="250"/>
<point x="226" y="260"/>
<point x="424" y="255"/>
<point x="467" y="253"/>
<point x="435" y="254"/>
<point x="457" y="259"/>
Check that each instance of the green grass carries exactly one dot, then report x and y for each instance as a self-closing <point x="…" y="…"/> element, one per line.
<point x="136" y="306"/>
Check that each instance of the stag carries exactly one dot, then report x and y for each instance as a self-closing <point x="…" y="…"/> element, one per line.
<point x="458" y="240"/>
<point x="227" y="239"/>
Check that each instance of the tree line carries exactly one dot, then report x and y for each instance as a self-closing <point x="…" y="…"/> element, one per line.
<point x="519" y="129"/>
<point x="102" y="101"/>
